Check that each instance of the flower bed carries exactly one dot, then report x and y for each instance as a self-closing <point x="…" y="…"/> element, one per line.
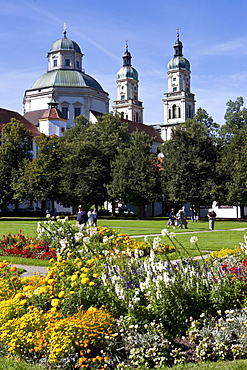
<point x="109" y="302"/>
<point x="22" y="246"/>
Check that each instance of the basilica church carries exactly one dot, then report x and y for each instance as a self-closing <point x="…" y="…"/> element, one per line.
<point x="65" y="91"/>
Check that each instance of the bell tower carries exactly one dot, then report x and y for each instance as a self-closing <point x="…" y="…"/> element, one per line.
<point x="127" y="102"/>
<point x="179" y="102"/>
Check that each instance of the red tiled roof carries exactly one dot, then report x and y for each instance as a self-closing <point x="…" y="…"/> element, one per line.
<point x="141" y="127"/>
<point x="34" y="116"/>
<point x="6" y="115"/>
<point x="52" y="113"/>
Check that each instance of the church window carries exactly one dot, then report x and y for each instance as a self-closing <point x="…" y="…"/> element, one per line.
<point x="77" y="112"/>
<point x="179" y="112"/>
<point x="174" y="111"/>
<point x="135" y="97"/>
<point x="122" y="87"/>
<point x="127" y="116"/>
<point x="65" y="112"/>
<point x="122" y="97"/>
<point x="55" y="63"/>
<point x="67" y="62"/>
<point x="169" y="114"/>
<point x="174" y="89"/>
<point x="77" y="64"/>
<point x="174" y="78"/>
<point x="137" y="117"/>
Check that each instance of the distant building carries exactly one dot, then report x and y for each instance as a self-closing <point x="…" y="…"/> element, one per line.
<point x="179" y="102"/>
<point x="65" y="81"/>
<point x="6" y="115"/>
<point x="127" y="102"/>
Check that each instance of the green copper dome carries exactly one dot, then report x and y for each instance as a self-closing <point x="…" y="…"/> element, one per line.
<point x="65" y="44"/>
<point x="68" y="78"/>
<point x="179" y="62"/>
<point x="127" y="72"/>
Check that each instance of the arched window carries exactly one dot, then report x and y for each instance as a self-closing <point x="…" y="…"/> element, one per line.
<point x="169" y="114"/>
<point x="174" y="111"/>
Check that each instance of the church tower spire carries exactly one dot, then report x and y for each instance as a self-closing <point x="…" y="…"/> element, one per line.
<point x="127" y="102"/>
<point x="179" y="102"/>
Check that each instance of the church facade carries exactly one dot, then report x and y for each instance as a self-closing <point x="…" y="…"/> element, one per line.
<point x="65" y="81"/>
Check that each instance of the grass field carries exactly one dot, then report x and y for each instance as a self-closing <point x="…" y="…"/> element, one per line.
<point x="8" y="364"/>
<point x="228" y="234"/>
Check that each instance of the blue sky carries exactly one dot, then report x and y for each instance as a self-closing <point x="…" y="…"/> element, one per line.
<point x="214" y="35"/>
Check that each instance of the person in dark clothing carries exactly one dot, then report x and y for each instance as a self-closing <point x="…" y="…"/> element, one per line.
<point x="171" y="221"/>
<point x="211" y="219"/>
<point x="81" y="219"/>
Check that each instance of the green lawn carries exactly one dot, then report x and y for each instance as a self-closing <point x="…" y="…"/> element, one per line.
<point x="130" y="227"/>
<point x="220" y="238"/>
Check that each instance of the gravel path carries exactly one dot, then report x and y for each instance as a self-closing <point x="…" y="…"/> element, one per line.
<point x="32" y="270"/>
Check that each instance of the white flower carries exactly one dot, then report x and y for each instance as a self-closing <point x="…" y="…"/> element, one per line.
<point x="172" y="235"/>
<point x="194" y="239"/>
<point x="164" y="232"/>
<point x="48" y="215"/>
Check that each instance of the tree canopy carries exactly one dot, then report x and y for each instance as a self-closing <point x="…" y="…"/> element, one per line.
<point x="189" y="163"/>
<point x="135" y="173"/>
<point x="15" y="152"/>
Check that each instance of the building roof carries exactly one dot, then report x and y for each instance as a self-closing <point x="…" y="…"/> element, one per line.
<point x="65" y="44"/>
<point x="34" y="116"/>
<point x="141" y="127"/>
<point x="179" y="62"/>
<point x="53" y="113"/>
<point x="67" y="78"/>
<point x="127" y="72"/>
<point x="6" y="115"/>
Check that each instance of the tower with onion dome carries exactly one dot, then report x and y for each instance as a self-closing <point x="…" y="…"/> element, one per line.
<point x="65" y="81"/>
<point x="127" y="102"/>
<point x="179" y="102"/>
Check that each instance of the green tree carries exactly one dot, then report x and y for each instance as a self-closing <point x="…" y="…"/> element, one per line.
<point x="135" y="173"/>
<point x="189" y="164"/>
<point x="232" y="163"/>
<point x="40" y="179"/>
<point x="15" y="152"/>
<point x="88" y="151"/>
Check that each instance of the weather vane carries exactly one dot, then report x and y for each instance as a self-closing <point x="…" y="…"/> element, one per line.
<point x="126" y="44"/>
<point x="178" y="30"/>
<point x="64" y="29"/>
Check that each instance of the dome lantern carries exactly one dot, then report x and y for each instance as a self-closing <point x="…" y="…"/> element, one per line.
<point x="178" y="61"/>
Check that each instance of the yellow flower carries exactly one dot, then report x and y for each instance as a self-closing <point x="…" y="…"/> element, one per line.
<point x="55" y="302"/>
<point x="61" y="294"/>
<point x="51" y="281"/>
<point x="53" y="309"/>
<point x="92" y="309"/>
<point x="95" y="275"/>
<point x="85" y="281"/>
<point x="19" y="295"/>
<point x="59" y="258"/>
<point x="61" y="273"/>
<point x="74" y="277"/>
<point x="14" y="278"/>
<point x="23" y="302"/>
<point x="13" y="268"/>
<point x="91" y="283"/>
